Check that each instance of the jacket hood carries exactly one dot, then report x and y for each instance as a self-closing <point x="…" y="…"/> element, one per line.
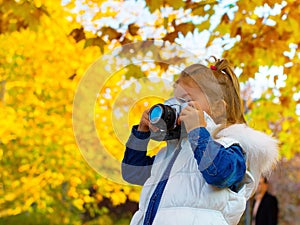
<point x="261" y="149"/>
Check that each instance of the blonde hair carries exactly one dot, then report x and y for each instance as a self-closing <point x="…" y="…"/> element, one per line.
<point x="221" y="86"/>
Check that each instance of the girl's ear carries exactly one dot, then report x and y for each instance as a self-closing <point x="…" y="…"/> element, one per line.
<point x="219" y="111"/>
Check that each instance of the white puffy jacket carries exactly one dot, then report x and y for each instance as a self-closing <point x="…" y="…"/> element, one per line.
<point x="189" y="200"/>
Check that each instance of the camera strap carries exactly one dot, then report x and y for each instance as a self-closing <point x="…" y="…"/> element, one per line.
<point x="157" y="194"/>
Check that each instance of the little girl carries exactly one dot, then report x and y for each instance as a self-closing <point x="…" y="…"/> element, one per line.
<point x="206" y="176"/>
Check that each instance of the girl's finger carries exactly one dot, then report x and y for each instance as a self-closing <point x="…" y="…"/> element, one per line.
<point x="196" y="105"/>
<point x="179" y="120"/>
<point x="187" y="108"/>
<point x="154" y="128"/>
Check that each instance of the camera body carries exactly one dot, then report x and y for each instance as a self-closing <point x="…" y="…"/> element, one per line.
<point x="165" y="118"/>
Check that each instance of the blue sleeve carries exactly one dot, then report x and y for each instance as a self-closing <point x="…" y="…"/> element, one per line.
<point x="220" y="166"/>
<point x="136" y="165"/>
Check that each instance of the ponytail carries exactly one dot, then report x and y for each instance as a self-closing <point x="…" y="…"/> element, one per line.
<point x="222" y="67"/>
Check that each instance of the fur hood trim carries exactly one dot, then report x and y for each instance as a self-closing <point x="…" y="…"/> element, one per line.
<point x="261" y="149"/>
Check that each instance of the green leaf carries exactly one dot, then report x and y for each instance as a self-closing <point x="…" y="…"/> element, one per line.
<point x="205" y="25"/>
<point x="166" y="21"/>
<point x="134" y="71"/>
<point x="177" y="4"/>
<point x="154" y="4"/>
<point x="95" y="42"/>
<point x="112" y="33"/>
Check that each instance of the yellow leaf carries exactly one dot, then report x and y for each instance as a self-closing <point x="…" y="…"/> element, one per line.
<point x="118" y="198"/>
<point x="285" y="125"/>
<point x="10" y="197"/>
<point x="88" y="199"/>
<point x="38" y="3"/>
<point x="78" y="203"/>
<point x="24" y="168"/>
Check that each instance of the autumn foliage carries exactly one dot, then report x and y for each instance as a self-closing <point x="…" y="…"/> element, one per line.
<point x="46" y="50"/>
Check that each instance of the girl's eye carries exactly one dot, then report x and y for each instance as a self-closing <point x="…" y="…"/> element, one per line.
<point x="175" y="83"/>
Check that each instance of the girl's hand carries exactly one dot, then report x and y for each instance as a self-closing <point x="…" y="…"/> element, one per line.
<point x="145" y="124"/>
<point x="192" y="116"/>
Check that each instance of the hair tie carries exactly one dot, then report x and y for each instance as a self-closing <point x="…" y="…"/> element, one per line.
<point x="213" y="67"/>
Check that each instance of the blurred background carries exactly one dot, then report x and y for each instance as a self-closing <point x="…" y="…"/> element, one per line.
<point x="46" y="47"/>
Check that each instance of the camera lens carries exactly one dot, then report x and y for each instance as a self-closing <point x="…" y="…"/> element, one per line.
<point x="155" y="114"/>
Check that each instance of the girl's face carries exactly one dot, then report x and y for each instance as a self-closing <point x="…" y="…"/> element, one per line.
<point x="188" y="89"/>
